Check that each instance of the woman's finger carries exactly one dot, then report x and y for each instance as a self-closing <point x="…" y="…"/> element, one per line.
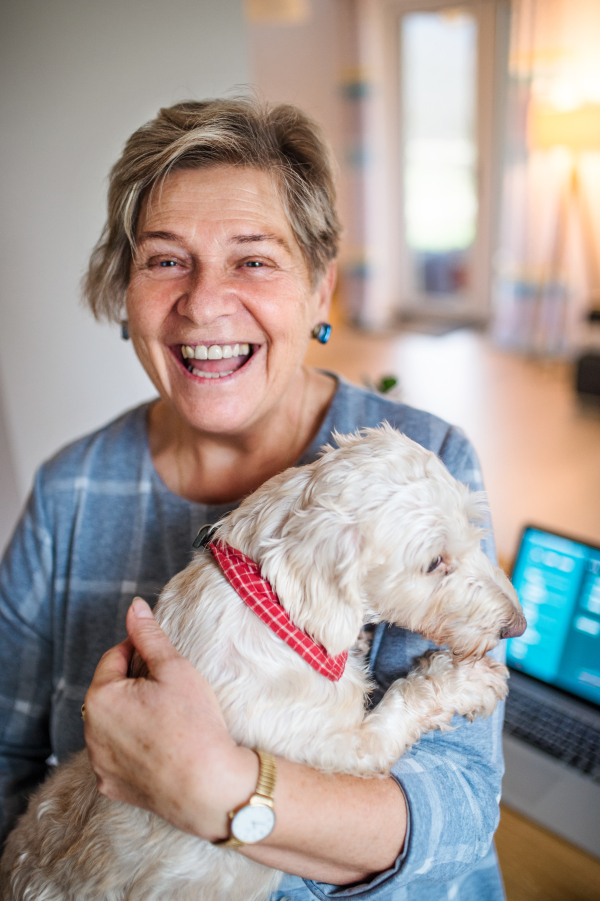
<point x="114" y="664"/>
<point x="148" y="638"/>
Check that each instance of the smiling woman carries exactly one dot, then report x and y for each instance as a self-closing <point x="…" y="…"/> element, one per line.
<point x="218" y="276"/>
<point x="220" y="249"/>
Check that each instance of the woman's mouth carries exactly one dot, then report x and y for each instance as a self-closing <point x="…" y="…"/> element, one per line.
<point x="215" y="361"/>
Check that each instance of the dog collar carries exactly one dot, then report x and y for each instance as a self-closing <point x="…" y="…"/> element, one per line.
<point x="243" y="574"/>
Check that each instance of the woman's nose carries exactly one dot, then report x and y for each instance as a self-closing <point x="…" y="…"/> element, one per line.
<point x="207" y="296"/>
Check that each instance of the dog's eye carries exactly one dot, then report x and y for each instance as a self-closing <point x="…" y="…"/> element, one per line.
<point x="434" y="564"/>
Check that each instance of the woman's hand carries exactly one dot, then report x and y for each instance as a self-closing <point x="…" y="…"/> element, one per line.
<point x="161" y="742"/>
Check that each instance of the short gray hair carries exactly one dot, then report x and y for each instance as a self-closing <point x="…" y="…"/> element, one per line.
<point x="281" y="140"/>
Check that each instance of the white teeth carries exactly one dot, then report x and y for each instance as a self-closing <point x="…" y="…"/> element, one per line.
<point x="212" y="375"/>
<point x="214" y="352"/>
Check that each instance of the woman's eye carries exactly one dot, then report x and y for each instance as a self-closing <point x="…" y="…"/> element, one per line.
<point x="434" y="564"/>
<point x="253" y="264"/>
<point x="164" y="267"/>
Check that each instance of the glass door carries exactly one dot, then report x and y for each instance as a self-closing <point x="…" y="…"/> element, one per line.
<point x="429" y="127"/>
<point x="439" y="150"/>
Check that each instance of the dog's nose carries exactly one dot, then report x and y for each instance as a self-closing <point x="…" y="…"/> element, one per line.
<point x="515" y="628"/>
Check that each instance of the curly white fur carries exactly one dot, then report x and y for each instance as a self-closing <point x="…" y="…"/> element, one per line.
<point x="344" y="541"/>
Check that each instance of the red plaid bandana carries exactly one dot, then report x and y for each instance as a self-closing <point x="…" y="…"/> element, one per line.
<point x="244" y="576"/>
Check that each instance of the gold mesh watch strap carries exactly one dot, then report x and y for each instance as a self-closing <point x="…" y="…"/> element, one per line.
<point x="267" y="774"/>
<point x="265" y="788"/>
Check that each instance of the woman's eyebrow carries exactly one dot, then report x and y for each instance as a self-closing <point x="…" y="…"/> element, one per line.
<point x="259" y="238"/>
<point x="256" y="238"/>
<point x="166" y="236"/>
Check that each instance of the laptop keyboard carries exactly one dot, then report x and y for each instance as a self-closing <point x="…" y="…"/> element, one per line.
<point x="554" y="732"/>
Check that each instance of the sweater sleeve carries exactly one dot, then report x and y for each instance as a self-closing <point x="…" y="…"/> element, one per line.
<point x="451" y="781"/>
<point x="25" y="658"/>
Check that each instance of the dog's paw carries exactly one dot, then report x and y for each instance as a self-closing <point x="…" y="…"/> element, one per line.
<point x="480" y="684"/>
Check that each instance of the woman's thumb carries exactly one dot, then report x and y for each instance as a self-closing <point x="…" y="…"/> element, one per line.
<point x="147" y="636"/>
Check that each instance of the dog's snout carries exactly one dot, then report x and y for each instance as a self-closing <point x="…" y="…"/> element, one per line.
<point x="515" y="628"/>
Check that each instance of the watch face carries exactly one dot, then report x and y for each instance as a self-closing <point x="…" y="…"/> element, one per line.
<point x="252" y="823"/>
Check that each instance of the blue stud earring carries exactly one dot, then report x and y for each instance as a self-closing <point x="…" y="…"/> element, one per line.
<point x="124" y="330"/>
<point x="322" y="332"/>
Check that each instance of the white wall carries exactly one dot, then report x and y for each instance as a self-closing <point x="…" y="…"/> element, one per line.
<point x="301" y="63"/>
<point x="78" y="76"/>
<point x="9" y="498"/>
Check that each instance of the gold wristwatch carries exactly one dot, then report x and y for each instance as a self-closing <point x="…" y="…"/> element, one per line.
<point x="255" y="819"/>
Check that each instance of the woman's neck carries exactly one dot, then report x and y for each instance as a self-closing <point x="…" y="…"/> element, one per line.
<point x="217" y="469"/>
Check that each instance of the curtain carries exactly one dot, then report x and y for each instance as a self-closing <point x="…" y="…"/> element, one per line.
<point x="547" y="272"/>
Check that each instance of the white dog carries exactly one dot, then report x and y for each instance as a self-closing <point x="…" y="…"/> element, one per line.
<point x="376" y="529"/>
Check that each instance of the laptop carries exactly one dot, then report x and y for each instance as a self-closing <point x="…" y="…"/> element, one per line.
<point x="552" y="725"/>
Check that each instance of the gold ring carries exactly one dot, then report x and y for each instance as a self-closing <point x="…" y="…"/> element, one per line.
<point x="83" y="711"/>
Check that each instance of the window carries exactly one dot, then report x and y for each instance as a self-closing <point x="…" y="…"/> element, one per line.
<point x="438" y="131"/>
<point x="449" y="68"/>
<point x="433" y="132"/>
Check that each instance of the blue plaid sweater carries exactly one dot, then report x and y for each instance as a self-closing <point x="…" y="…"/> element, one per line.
<point x="101" y="527"/>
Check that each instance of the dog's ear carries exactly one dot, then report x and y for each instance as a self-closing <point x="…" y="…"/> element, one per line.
<point x="315" y="567"/>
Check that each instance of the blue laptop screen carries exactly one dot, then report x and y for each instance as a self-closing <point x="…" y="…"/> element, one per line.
<point x="558" y="583"/>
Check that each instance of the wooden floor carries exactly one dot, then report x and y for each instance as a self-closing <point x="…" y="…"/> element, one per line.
<point x="539" y="866"/>
<point x="540" y="453"/>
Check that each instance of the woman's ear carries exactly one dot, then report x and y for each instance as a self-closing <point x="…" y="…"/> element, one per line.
<point x="324" y="292"/>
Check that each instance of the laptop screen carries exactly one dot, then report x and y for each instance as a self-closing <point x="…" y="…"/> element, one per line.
<point x="558" y="583"/>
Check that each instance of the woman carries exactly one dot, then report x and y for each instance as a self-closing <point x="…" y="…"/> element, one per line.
<point x="220" y="249"/>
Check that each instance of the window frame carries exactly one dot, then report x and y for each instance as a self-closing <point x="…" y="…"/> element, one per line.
<point x="390" y="296"/>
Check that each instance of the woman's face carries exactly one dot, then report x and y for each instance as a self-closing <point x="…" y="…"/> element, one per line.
<point x="219" y="302"/>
